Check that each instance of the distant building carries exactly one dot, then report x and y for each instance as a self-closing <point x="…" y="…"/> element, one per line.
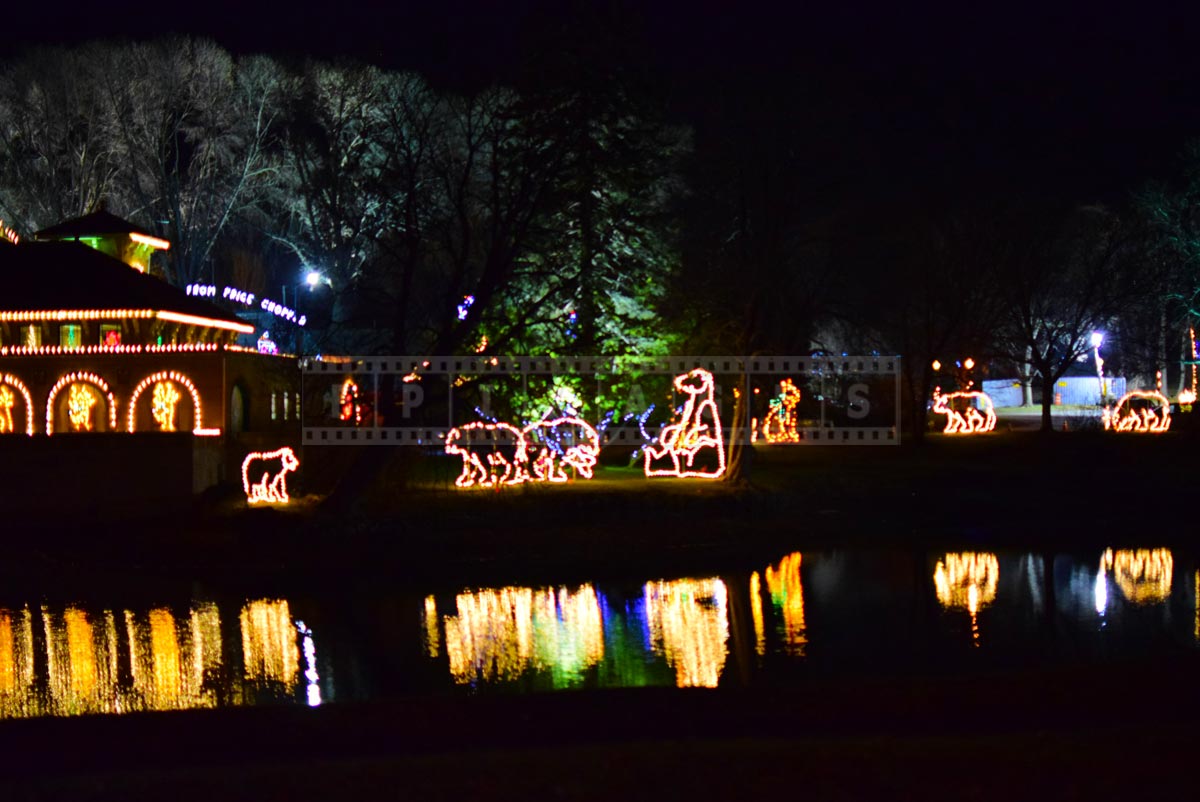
<point x="92" y="343"/>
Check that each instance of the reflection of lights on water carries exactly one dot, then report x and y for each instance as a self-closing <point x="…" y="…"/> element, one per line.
<point x="311" y="677"/>
<point x="787" y="596"/>
<point x="431" y="627"/>
<point x="760" y="639"/>
<point x="1101" y="592"/>
<point x="689" y="622"/>
<point x="1143" y="575"/>
<point x="498" y="634"/>
<point x="269" y="650"/>
<point x="967" y="581"/>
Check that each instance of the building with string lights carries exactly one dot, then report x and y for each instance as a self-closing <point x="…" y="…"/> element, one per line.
<point x="93" y="342"/>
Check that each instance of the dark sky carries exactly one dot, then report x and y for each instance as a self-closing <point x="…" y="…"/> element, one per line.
<point x="1091" y="97"/>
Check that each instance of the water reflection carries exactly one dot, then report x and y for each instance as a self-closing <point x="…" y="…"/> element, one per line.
<point x="76" y="660"/>
<point x="967" y="581"/>
<point x="787" y="597"/>
<point x="689" y="624"/>
<point x="498" y="635"/>
<point x="1143" y="575"/>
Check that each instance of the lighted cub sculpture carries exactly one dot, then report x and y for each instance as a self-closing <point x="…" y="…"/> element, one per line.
<point x="548" y="454"/>
<point x="971" y="420"/>
<point x="271" y="468"/>
<point x="1139" y="411"/>
<point x="694" y="445"/>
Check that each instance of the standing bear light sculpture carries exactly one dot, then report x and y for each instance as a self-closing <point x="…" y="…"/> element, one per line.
<point x="970" y="421"/>
<point x="693" y="446"/>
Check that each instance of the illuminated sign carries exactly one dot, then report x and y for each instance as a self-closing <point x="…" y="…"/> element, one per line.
<point x="247" y="299"/>
<point x="697" y="434"/>
<point x="971" y="420"/>
<point x="1139" y="411"/>
<point x="271" y="469"/>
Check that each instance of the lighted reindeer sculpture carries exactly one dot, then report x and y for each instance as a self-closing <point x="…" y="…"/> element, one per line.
<point x="970" y="420"/>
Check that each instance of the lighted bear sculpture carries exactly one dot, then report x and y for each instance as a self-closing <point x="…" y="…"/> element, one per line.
<point x="271" y="468"/>
<point x="498" y="454"/>
<point x="683" y="445"/>
<point x="969" y="421"/>
<point x="1146" y="411"/>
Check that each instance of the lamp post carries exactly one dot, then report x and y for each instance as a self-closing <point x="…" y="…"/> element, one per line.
<point x="1097" y="339"/>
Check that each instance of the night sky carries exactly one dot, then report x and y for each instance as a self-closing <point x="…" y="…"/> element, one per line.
<point x="1082" y="101"/>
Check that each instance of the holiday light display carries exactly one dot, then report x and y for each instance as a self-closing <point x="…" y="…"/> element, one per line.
<point x="1146" y="411"/>
<point x="1143" y="575"/>
<point x="972" y="421"/>
<point x="696" y="434"/>
<point x="348" y="406"/>
<point x="538" y="453"/>
<point x="780" y="424"/>
<point x="967" y="581"/>
<point x="162" y="406"/>
<point x="544" y="441"/>
<point x="80" y="401"/>
<point x="500" y="470"/>
<point x="8" y="399"/>
<point x="688" y="621"/>
<point x="271" y="469"/>
<point x="756" y="614"/>
<point x="67" y="315"/>
<point x="168" y="377"/>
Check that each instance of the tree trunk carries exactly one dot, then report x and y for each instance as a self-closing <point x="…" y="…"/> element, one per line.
<point x="1026" y="376"/>
<point x="1161" y="356"/>
<point x="1047" y="401"/>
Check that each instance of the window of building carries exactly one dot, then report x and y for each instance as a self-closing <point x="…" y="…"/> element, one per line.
<point x="273" y="414"/>
<point x="296" y="397"/>
<point x="285" y="405"/>
<point x="31" y="336"/>
<point x="70" y="335"/>
<point x="110" y="334"/>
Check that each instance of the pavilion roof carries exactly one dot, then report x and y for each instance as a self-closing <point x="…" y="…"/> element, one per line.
<point x="51" y="276"/>
<point x="97" y="223"/>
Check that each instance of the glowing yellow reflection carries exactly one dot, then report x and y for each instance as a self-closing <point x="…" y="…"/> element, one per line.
<point x="431" y="626"/>
<point x="499" y="634"/>
<point x="168" y="657"/>
<point x="16" y="658"/>
<point x="967" y="581"/>
<point x="787" y="596"/>
<point x="269" y="649"/>
<point x="756" y="612"/>
<point x="1143" y="575"/>
<point x="689" y="623"/>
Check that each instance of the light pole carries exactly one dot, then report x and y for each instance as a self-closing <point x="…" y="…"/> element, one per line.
<point x="1097" y="339"/>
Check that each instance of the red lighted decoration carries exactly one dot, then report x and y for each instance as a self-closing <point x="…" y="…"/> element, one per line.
<point x="1146" y="411"/>
<point x="500" y="470"/>
<point x="264" y="475"/>
<point x="683" y="444"/>
<point x="971" y="420"/>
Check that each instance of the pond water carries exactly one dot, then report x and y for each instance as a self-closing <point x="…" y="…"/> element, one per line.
<point x="794" y="616"/>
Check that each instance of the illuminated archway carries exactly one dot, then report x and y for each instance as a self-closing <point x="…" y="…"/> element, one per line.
<point x="163" y="378"/>
<point x="81" y="401"/>
<point x="7" y="424"/>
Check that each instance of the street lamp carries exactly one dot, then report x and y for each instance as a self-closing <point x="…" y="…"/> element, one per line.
<point x="1097" y="339"/>
<point x="312" y="279"/>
